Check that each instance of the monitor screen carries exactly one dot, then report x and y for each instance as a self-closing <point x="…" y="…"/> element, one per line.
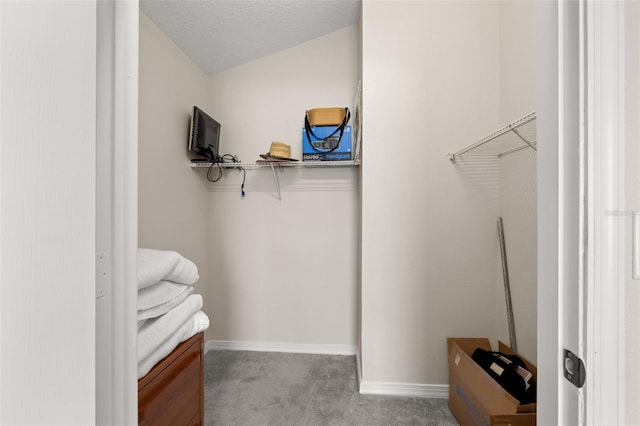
<point x="205" y="135"/>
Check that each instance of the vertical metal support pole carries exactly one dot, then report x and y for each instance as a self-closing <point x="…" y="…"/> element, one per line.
<point x="507" y="286"/>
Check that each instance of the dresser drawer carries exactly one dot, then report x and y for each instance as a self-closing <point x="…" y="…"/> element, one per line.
<point x="172" y="392"/>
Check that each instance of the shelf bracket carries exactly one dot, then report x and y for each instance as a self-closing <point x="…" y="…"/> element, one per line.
<point x="524" y="139"/>
<point x="276" y="181"/>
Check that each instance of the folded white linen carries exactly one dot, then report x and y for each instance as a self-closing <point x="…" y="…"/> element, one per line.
<point x="194" y="325"/>
<point x="157" y="330"/>
<point x="156" y="265"/>
<point x="159" y="310"/>
<point x="161" y="294"/>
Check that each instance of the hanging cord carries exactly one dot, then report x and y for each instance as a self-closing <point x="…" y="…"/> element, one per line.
<point x="226" y="158"/>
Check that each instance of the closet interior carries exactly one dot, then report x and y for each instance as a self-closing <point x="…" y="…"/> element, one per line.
<point x="383" y="259"/>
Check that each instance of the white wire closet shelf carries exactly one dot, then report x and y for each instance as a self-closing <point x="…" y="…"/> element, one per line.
<point x="281" y="165"/>
<point x="521" y="134"/>
<point x="256" y="165"/>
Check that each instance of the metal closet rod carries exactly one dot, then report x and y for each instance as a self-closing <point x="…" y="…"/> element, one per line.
<point x="508" y="128"/>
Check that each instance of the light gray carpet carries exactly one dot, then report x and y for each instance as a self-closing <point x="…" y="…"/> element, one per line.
<point x="267" y="388"/>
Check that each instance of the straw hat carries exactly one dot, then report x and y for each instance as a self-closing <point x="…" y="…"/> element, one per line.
<point x="279" y="151"/>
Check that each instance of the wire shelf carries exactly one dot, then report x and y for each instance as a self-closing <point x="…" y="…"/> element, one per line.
<point x="519" y="135"/>
<point x="272" y="165"/>
<point x="288" y="164"/>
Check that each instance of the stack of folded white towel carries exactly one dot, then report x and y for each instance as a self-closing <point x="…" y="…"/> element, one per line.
<point x="168" y="312"/>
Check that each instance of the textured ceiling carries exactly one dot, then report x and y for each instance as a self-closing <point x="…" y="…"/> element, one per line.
<point x="220" y="34"/>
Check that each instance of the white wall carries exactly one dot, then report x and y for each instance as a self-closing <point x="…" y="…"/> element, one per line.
<point x="265" y="100"/>
<point x="429" y="246"/>
<point x="173" y="202"/>
<point x="258" y="285"/>
<point x="518" y="175"/>
<point x="284" y="271"/>
<point x="47" y="216"/>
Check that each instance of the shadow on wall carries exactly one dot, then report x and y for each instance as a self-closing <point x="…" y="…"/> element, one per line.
<point x="481" y="181"/>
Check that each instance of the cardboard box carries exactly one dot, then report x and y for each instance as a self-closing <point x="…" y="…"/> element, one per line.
<point x="475" y="398"/>
<point x="341" y="153"/>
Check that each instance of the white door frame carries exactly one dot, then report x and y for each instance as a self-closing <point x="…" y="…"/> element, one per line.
<point x="605" y="207"/>
<point x="552" y="410"/>
<point x="117" y="212"/>
<point x="548" y="171"/>
<point x="580" y="249"/>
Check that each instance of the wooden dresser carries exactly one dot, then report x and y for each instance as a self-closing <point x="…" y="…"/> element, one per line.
<point x="172" y="393"/>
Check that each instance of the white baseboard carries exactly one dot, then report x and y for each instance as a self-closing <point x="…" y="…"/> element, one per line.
<point x="404" y="389"/>
<point x="359" y="366"/>
<point x="302" y="348"/>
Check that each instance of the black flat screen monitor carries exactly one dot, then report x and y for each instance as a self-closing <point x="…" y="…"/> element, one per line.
<point x="204" y="138"/>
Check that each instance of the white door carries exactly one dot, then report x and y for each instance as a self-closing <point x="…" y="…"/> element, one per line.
<point x="47" y="169"/>
<point x="116" y="399"/>
<point x="585" y="227"/>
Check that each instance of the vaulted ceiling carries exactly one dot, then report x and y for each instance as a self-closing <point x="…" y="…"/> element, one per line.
<point x="221" y="34"/>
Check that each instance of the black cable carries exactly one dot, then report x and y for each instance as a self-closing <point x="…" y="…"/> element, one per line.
<point x="215" y="161"/>
<point x="226" y="158"/>
<point x="209" y="178"/>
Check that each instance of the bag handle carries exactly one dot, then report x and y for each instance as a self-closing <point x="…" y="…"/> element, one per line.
<point x="340" y="128"/>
